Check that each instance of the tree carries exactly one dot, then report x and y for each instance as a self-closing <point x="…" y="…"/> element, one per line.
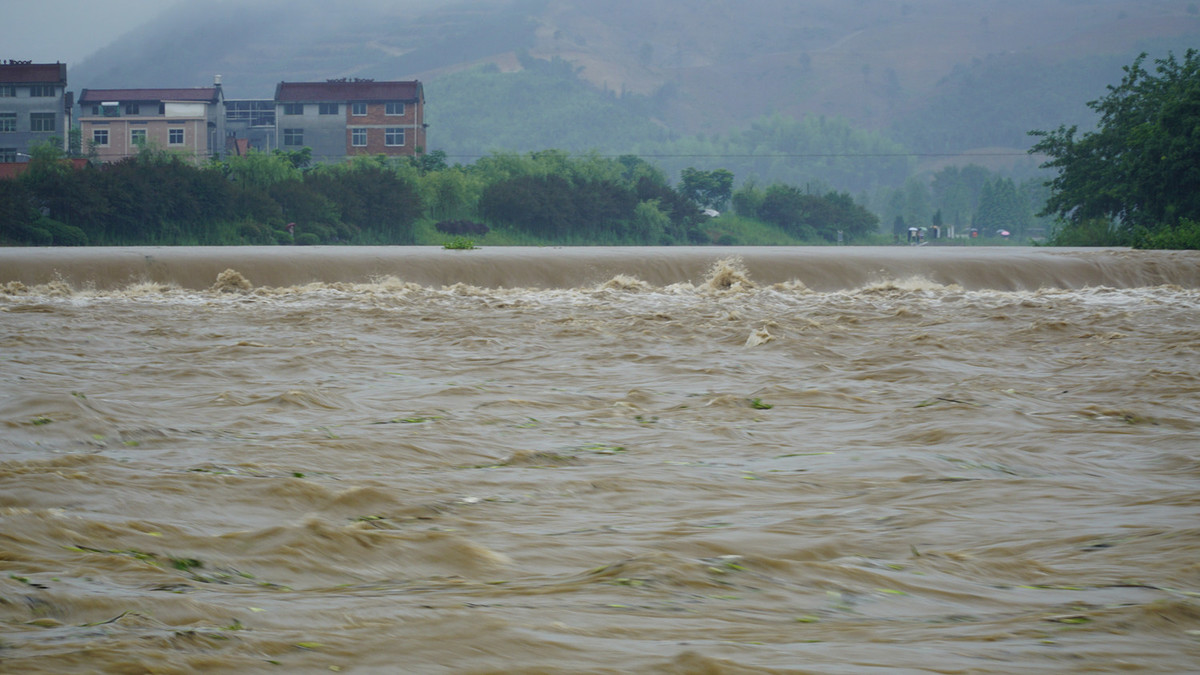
<point x="808" y="216"/>
<point x="261" y="170"/>
<point x="707" y="188"/>
<point x="1140" y="167"/>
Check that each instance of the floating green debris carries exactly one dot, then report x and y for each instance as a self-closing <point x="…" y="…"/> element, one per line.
<point x="309" y="645"/>
<point x="297" y="474"/>
<point x="1070" y="619"/>
<point x="891" y="591"/>
<point x="807" y="618"/>
<point x="185" y="564"/>
<point x="758" y="404"/>
<point x="40" y="420"/>
<point x="459" y="244"/>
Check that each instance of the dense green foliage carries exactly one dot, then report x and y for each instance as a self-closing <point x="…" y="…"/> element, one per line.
<point x="710" y="189"/>
<point x="1138" y="172"/>
<point x="542" y="197"/>
<point x="158" y="198"/>
<point x="808" y="216"/>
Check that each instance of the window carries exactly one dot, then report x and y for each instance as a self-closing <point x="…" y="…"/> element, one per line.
<point x="132" y="108"/>
<point x="41" y="90"/>
<point x="41" y="121"/>
<point x="8" y="91"/>
<point x="327" y="108"/>
<point x="100" y="137"/>
<point x="137" y="137"/>
<point x="293" y="108"/>
<point x="393" y="136"/>
<point x="254" y="113"/>
<point x="8" y="121"/>
<point x="358" y="109"/>
<point x="293" y="137"/>
<point x="8" y="155"/>
<point x="174" y="136"/>
<point x="394" y="108"/>
<point x="358" y="138"/>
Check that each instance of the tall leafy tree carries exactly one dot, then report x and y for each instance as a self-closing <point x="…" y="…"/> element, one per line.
<point x="1141" y="167"/>
<point x="707" y="188"/>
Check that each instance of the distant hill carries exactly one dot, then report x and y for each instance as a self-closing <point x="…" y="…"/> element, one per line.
<point x="932" y="75"/>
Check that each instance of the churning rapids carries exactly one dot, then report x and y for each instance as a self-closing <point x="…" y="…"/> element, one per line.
<point x="599" y="460"/>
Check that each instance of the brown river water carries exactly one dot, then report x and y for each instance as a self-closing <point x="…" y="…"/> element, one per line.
<point x="591" y="460"/>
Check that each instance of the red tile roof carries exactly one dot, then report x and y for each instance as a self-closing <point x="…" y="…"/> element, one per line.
<point x="205" y="94"/>
<point x="349" y="90"/>
<point x="34" y="73"/>
<point x="13" y="169"/>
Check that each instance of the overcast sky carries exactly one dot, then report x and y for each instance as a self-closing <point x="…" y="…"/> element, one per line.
<point x="46" y="31"/>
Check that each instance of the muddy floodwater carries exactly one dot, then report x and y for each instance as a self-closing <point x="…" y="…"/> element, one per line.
<point x="415" y="460"/>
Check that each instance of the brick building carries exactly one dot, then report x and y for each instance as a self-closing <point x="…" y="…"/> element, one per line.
<point x="116" y="122"/>
<point x="34" y="107"/>
<point x="343" y="118"/>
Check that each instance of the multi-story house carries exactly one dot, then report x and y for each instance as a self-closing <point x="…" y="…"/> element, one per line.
<point x="116" y="123"/>
<point x="343" y="118"/>
<point x="34" y="107"/>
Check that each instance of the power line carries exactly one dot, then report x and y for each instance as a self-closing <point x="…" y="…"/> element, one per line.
<point x="809" y="155"/>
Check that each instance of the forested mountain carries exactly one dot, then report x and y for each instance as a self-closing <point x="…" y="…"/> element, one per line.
<point x="772" y="89"/>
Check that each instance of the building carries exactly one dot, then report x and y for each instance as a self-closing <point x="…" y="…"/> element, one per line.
<point x="34" y="107"/>
<point x="116" y="123"/>
<point x="343" y="118"/>
<point x="250" y="125"/>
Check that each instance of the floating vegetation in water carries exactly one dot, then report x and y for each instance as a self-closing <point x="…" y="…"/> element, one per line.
<point x="1070" y="619"/>
<point x="460" y="244"/>
<point x="758" y="404"/>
